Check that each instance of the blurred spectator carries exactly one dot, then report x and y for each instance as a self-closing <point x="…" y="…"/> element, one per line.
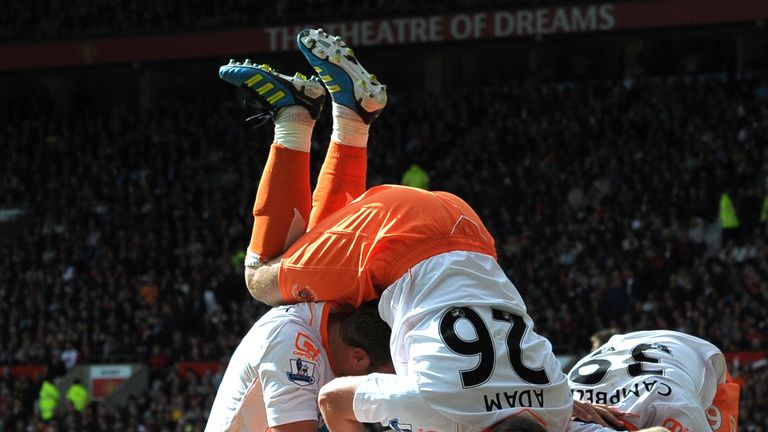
<point x="78" y="396"/>
<point x="605" y="215"/>
<point x="55" y="20"/>
<point x="48" y="400"/>
<point x="416" y="177"/>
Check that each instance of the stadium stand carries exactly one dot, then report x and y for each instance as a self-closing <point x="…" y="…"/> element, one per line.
<point x="55" y="20"/>
<point x="604" y="206"/>
<point x="603" y="196"/>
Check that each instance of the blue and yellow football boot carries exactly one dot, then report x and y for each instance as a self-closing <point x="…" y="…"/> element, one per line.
<point x="271" y="90"/>
<point x="346" y="80"/>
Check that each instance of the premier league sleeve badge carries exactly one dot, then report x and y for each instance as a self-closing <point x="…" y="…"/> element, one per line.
<point x="302" y="372"/>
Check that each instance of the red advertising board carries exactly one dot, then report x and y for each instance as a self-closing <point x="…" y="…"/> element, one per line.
<point x="32" y="372"/>
<point x="105" y="379"/>
<point x="198" y="368"/>
<point x="500" y="23"/>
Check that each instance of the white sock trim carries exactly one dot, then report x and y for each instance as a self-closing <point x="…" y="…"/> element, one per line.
<point x="348" y="128"/>
<point x="293" y="128"/>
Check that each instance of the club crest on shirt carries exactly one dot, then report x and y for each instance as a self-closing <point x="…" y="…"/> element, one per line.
<point x="302" y="372"/>
<point x="303" y="293"/>
<point x="400" y="427"/>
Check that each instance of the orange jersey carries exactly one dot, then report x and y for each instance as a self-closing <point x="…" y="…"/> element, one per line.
<point x="356" y="252"/>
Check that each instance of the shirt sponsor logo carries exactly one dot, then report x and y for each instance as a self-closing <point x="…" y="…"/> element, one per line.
<point x="305" y="347"/>
<point x="674" y="426"/>
<point x="714" y="417"/>
<point x="302" y="372"/>
<point x="400" y="427"/>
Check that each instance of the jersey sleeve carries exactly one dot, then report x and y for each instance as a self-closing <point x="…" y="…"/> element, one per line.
<point x="723" y="414"/>
<point x="326" y="266"/>
<point x="681" y="416"/>
<point x="291" y="380"/>
<point x="394" y="401"/>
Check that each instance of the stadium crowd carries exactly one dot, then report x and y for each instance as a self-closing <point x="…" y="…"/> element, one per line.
<point x="603" y="198"/>
<point x="55" y="20"/>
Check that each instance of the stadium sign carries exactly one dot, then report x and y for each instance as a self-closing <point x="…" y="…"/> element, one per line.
<point x="105" y="379"/>
<point x="442" y="28"/>
<point x="494" y="24"/>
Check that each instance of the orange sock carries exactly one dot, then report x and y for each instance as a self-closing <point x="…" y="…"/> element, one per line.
<point x="723" y="414"/>
<point x="282" y="204"/>
<point x="341" y="179"/>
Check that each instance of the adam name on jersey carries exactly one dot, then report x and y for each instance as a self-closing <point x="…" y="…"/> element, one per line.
<point x="302" y="372"/>
<point x="619" y="394"/>
<point x="514" y="399"/>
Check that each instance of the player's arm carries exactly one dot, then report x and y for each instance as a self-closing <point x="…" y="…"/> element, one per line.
<point x="300" y="426"/>
<point x="290" y="397"/>
<point x="578" y="426"/>
<point x="336" y="402"/>
<point x="603" y="415"/>
<point x="262" y="282"/>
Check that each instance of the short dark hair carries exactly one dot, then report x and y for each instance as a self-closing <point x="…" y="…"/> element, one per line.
<point x="518" y="424"/>
<point x="602" y="336"/>
<point x="365" y="329"/>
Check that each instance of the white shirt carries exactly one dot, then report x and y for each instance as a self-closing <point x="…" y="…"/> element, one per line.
<point x="656" y="375"/>
<point x="465" y="352"/>
<point x="276" y="372"/>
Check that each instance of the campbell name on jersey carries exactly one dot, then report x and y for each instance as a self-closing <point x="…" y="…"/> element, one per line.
<point x="637" y="363"/>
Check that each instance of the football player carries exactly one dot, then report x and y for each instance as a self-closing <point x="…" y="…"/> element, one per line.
<point x="274" y="376"/>
<point x="660" y="378"/>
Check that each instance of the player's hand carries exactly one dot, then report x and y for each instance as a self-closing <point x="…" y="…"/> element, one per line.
<point x="603" y="415"/>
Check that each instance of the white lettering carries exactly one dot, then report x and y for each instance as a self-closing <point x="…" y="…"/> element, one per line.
<point x="385" y="34"/>
<point x="460" y="27"/>
<point x="585" y="22"/>
<point x="479" y="25"/>
<point x="400" y="24"/>
<point x="418" y="30"/>
<point x="273" y="34"/>
<point x="542" y="21"/>
<point x="350" y="32"/>
<point x="503" y="24"/>
<point x="332" y="28"/>
<point x="435" y="28"/>
<point x="366" y="33"/>
<point x="525" y="23"/>
<point x="560" y="23"/>
<point x="608" y="20"/>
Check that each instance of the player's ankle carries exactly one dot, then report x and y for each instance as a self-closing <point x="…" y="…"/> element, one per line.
<point x="348" y="127"/>
<point x="293" y="128"/>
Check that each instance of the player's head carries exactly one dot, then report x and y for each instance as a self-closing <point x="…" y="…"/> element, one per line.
<point x="601" y="337"/>
<point x="359" y="342"/>
<point x="517" y="424"/>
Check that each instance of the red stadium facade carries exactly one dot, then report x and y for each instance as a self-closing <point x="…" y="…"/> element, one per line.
<point x="495" y="24"/>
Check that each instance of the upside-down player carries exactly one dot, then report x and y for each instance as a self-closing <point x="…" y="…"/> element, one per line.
<point x="274" y="376"/>
<point x="463" y="345"/>
<point x="662" y="378"/>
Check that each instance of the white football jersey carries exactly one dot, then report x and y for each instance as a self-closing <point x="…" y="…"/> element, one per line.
<point x="276" y="372"/>
<point x="664" y="378"/>
<point x="465" y="344"/>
